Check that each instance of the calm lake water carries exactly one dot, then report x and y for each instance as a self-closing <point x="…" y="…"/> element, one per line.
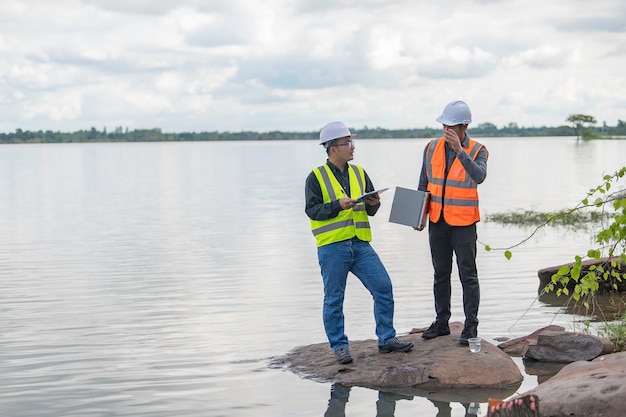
<point x="159" y="279"/>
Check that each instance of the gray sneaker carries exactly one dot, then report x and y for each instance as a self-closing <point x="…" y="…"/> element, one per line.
<point x="396" y="345"/>
<point x="343" y="356"/>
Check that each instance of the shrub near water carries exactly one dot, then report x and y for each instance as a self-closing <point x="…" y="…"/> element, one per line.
<point x="609" y="217"/>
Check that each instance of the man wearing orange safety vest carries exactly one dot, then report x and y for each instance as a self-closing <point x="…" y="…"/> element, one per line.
<point x="452" y="168"/>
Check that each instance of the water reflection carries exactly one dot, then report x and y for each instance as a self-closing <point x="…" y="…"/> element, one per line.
<point x="444" y="409"/>
<point x="603" y="307"/>
<point x="339" y="396"/>
<point x="386" y="403"/>
<point x="542" y="370"/>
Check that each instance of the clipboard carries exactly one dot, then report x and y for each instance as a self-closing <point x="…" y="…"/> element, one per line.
<point x="410" y="207"/>
<point x="371" y="193"/>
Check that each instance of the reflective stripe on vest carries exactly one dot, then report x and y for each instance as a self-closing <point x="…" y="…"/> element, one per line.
<point x="348" y="223"/>
<point x="460" y="202"/>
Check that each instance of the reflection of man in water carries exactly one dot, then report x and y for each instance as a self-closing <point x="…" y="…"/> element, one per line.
<point x="339" y="395"/>
<point x="385" y="406"/>
<point x="444" y="409"/>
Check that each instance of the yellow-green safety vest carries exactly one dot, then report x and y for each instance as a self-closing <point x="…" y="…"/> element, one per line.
<point x="348" y="223"/>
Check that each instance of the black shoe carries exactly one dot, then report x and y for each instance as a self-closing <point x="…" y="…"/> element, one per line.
<point x="436" y="329"/>
<point x="469" y="331"/>
<point x="395" y="345"/>
<point x="343" y="356"/>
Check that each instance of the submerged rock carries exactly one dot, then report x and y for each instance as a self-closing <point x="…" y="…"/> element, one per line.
<point x="440" y="363"/>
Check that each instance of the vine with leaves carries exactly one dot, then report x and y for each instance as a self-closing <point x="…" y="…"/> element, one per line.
<point x="573" y="280"/>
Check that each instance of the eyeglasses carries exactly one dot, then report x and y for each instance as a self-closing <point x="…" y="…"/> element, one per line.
<point x="349" y="144"/>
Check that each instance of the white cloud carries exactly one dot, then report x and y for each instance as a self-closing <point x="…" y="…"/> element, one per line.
<point x="458" y="63"/>
<point x="159" y="7"/>
<point x="54" y="106"/>
<point x="291" y="64"/>
<point x="543" y="57"/>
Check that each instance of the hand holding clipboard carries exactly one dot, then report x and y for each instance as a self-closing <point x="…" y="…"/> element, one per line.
<point x="370" y="194"/>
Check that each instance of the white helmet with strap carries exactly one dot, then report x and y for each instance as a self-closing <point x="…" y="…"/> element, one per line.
<point x="455" y="113"/>
<point x="334" y="130"/>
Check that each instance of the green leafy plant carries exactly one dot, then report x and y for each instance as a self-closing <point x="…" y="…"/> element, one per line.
<point x="609" y="268"/>
<point x="615" y="332"/>
<point x="584" y="326"/>
<point x="613" y="327"/>
<point x="580" y="281"/>
<point x="602" y="268"/>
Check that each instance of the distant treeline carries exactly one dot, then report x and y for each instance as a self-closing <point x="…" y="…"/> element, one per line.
<point x="120" y="134"/>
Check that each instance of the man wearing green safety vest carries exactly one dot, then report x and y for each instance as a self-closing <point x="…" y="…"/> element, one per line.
<point x="339" y="222"/>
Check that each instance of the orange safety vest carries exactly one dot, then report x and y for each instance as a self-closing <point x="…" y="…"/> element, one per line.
<point x="457" y="193"/>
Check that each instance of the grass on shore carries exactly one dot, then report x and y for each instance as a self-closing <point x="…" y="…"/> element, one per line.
<point x="532" y="218"/>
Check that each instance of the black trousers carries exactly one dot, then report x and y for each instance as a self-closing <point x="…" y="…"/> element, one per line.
<point x="446" y="240"/>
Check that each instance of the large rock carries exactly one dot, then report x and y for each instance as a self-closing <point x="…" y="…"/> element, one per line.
<point x="596" y="388"/>
<point x="518" y="346"/>
<point x="565" y="347"/>
<point x="437" y="363"/>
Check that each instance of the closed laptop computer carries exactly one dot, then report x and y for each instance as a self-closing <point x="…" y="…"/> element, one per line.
<point x="409" y="207"/>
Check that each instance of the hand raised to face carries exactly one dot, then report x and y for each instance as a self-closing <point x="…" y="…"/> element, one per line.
<point x="452" y="135"/>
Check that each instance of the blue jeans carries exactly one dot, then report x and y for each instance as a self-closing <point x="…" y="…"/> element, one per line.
<point x="358" y="257"/>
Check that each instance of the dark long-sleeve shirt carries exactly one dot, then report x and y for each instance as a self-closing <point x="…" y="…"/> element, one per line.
<point x="315" y="207"/>
<point x="477" y="169"/>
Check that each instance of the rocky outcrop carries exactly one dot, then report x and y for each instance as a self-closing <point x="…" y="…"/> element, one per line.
<point x="596" y="388"/>
<point x="565" y="347"/>
<point x="518" y="346"/>
<point x="553" y="344"/>
<point x="437" y="363"/>
<point x="571" y="382"/>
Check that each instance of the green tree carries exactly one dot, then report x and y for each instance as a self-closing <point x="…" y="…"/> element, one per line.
<point x="620" y="129"/>
<point x="579" y="120"/>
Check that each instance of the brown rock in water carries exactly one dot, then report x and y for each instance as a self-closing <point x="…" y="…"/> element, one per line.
<point x="565" y="347"/>
<point x="518" y="346"/>
<point x="437" y="363"/>
<point x="595" y="388"/>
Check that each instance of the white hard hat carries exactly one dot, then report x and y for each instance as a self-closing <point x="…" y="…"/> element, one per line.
<point x="455" y="113"/>
<point x="334" y="130"/>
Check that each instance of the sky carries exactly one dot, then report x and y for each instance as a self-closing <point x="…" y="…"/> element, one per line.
<point x="295" y="65"/>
